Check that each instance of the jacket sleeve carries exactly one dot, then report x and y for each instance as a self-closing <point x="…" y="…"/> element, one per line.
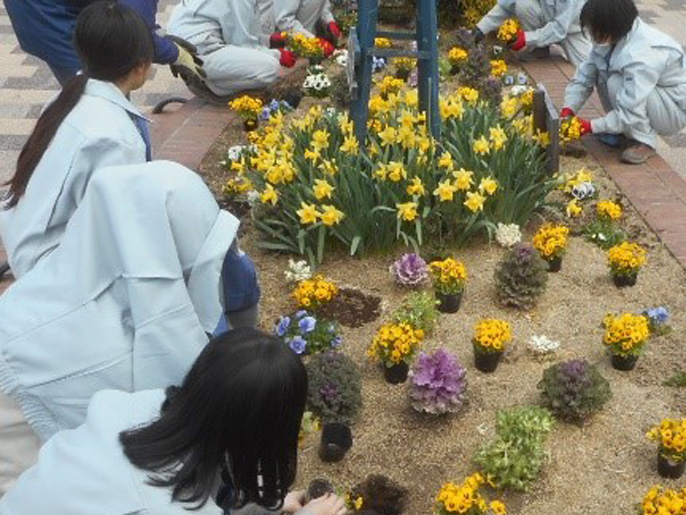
<point x="327" y="15"/>
<point x="630" y="115"/>
<point x="285" y="13"/>
<point x="566" y="13"/>
<point x="581" y="86"/>
<point x="501" y="11"/>
<point x="166" y="51"/>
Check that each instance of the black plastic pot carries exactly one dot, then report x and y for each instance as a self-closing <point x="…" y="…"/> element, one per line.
<point x="670" y="469"/>
<point x="454" y="70"/>
<point x="402" y="74"/>
<point x="555" y="264"/>
<point x="486" y="362"/>
<point x="337" y="439"/>
<point x="250" y="125"/>
<point x="624" y="363"/>
<point x="448" y="303"/>
<point x="624" y="281"/>
<point x="318" y="488"/>
<point x="396" y="374"/>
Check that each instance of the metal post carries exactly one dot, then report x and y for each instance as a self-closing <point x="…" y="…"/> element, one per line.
<point x="427" y="42"/>
<point x="367" y="15"/>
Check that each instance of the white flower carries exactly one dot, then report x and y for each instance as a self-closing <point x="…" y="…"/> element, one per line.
<point x="253" y="197"/>
<point x="522" y="79"/>
<point x="234" y="153"/>
<point x="518" y="91"/>
<point x="542" y="344"/>
<point x="583" y="190"/>
<point x="508" y="235"/>
<point x="297" y="271"/>
<point x="341" y="57"/>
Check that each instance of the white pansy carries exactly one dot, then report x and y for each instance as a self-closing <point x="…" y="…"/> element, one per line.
<point x="541" y="344"/>
<point x="508" y="235"/>
<point x="253" y="197"/>
<point x="583" y="190"/>
<point x="234" y="153"/>
<point x="518" y="91"/>
<point x="298" y="271"/>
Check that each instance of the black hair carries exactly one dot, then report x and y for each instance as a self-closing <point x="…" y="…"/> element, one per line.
<point x="111" y="40"/>
<point x="240" y="405"/>
<point x="609" y="20"/>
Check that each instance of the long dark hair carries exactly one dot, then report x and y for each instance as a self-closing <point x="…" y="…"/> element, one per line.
<point x="240" y="405"/>
<point x="111" y="40"/>
<point x="608" y="19"/>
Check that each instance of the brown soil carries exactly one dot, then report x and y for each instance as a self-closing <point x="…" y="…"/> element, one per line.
<point x="602" y="468"/>
<point x="352" y="308"/>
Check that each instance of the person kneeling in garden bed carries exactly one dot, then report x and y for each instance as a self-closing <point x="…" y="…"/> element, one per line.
<point x="640" y="75"/>
<point x="229" y="38"/>
<point x="544" y="22"/>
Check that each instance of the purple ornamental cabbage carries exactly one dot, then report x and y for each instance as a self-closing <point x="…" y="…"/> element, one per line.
<point x="410" y="270"/>
<point x="437" y="383"/>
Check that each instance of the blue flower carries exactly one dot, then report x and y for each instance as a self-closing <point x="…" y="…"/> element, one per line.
<point x="297" y="345"/>
<point x="282" y="326"/>
<point x="274" y="105"/>
<point x="336" y="342"/>
<point x="300" y="314"/>
<point x="658" y="316"/>
<point x="266" y="113"/>
<point x="307" y="324"/>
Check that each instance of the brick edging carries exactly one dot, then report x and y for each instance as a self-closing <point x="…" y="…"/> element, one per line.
<point x="655" y="190"/>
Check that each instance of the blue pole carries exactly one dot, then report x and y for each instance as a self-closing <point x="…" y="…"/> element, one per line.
<point x="368" y="13"/>
<point x="427" y="41"/>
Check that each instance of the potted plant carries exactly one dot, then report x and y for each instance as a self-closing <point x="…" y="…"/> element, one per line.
<point x="659" y="497"/>
<point x="670" y="436"/>
<point x="309" y="48"/>
<point x="306" y="334"/>
<point x="314" y="293"/>
<point x="625" y="260"/>
<point x="449" y="277"/>
<point x="403" y="67"/>
<point x="625" y="336"/>
<point x="334" y="394"/>
<point x="551" y="242"/>
<point x="419" y="310"/>
<point x="394" y="345"/>
<point x="409" y="270"/>
<point x="465" y="497"/>
<point x="573" y="390"/>
<point x="248" y="108"/>
<point x="490" y="337"/>
<point x="437" y="383"/>
<point x="507" y="33"/>
<point x="378" y="495"/>
<point x="318" y="488"/>
<point x="388" y="86"/>
<point x="317" y="83"/>
<point x="521" y="277"/>
<point x="457" y="56"/>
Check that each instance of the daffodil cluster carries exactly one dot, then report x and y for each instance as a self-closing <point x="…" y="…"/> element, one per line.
<point x="662" y="501"/>
<point x="609" y="210"/>
<point x="315" y="292"/>
<point x="302" y="46"/>
<point x="498" y="68"/>
<point x="570" y="130"/>
<point x="626" y="259"/>
<point x="551" y="240"/>
<point x="465" y="498"/>
<point x="389" y="85"/>
<point x="626" y="334"/>
<point x="405" y="64"/>
<point x="457" y="55"/>
<point x="507" y="32"/>
<point x="247" y="107"/>
<point x="382" y="43"/>
<point x="671" y="438"/>
<point x="395" y="343"/>
<point x="448" y="276"/>
<point x="491" y="335"/>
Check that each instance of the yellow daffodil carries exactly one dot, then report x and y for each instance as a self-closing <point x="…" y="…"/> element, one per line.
<point x="322" y="189"/>
<point x="396" y="171"/>
<point x="416" y="187"/>
<point x="475" y="201"/>
<point x="308" y="213"/>
<point x="331" y="216"/>
<point x="320" y="140"/>
<point x="573" y="208"/>
<point x="446" y="161"/>
<point x="407" y="211"/>
<point x="445" y="191"/>
<point x="388" y="136"/>
<point x="471" y="95"/>
<point x="508" y="107"/>
<point x="481" y="146"/>
<point x="488" y="185"/>
<point x="312" y="155"/>
<point x="498" y="137"/>
<point x="350" y="145"/>
<point x="463" y="179"/>
<point x="269" y="195"/>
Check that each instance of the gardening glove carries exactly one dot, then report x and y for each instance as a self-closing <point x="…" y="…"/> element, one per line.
<point x="188" y="65"/>
<point x="287" y="58"/>
<point x="334" y="29"/>
<point x="326" y="46"/>
<point x="566" y="113"/>
<point x="277" y="40"/>
<point x="520" y="42"/>
<point x="478" y="35"/>
<point x="585" y="126"/>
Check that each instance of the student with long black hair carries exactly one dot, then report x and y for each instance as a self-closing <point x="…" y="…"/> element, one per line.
<point x="640" y="75"/>
<point x="236" y="417"/>
<point x="89" y="125"/>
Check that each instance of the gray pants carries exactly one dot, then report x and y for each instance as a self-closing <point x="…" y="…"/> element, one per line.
<point x="18" y="443"/>
<point x="233" y="68"/>
<point x="575" y="46"/>
<point x="665" y="116"/>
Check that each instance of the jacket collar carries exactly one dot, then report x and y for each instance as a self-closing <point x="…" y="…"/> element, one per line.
<point x="111" y="93"/>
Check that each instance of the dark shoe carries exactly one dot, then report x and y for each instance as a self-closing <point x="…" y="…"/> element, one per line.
<point x="199" y="89"/>
<point x="637" y="153"/>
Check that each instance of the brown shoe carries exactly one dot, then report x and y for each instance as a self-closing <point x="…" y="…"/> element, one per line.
<point x="637" y="153"/>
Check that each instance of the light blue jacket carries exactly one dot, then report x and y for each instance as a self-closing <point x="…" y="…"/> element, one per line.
<point x="98" y="132"/>
<point x="85" y="472"/>
<point x="124" y="302"/>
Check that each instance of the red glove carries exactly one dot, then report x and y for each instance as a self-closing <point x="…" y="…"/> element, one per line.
<point x="334" y="29"/>
<point x="520" y="42"/>
<point x="585" y="126"/>
<point x="566" y="113"/>
<point x="326" y="46"/>
<point x="277" y="40"/>
<point x="287" y="58"/>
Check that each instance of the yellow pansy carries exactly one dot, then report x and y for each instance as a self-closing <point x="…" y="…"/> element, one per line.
<point x="475" y="201"/>
<point x="322" y="189"/>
